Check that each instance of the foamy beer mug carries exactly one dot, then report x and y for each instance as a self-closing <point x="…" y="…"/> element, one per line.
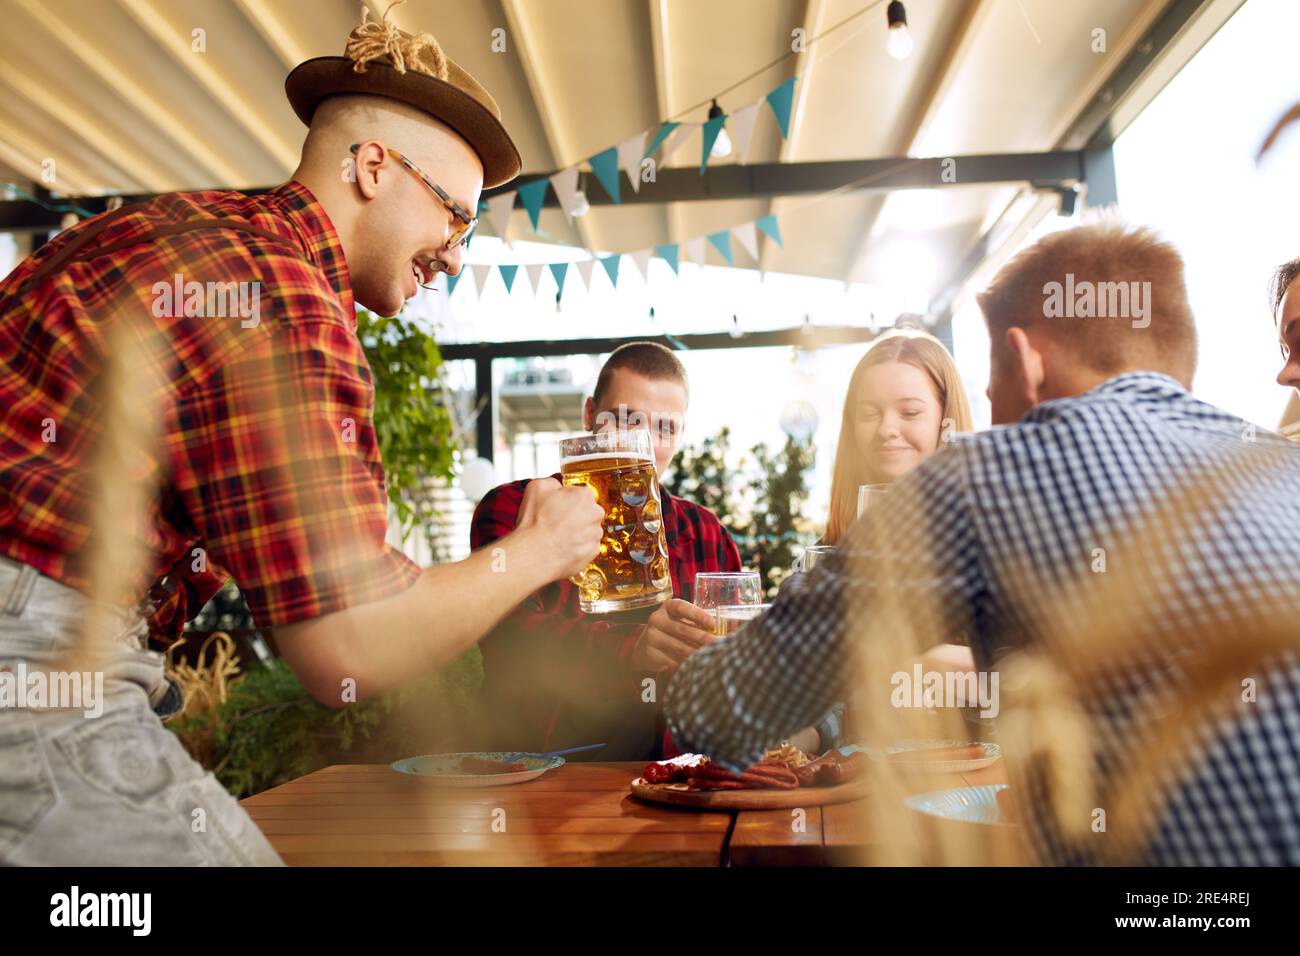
<point x="631" y="569"/>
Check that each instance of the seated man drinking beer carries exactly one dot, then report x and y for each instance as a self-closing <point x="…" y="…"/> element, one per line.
<point x="557" y="677"/>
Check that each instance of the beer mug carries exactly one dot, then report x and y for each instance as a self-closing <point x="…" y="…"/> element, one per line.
<point x="811" y="555"/>
<point x="631" y="569"/>
<point x="869" y="495"/>
<point x="713" y="588"/>
<point x="730" y="618"/>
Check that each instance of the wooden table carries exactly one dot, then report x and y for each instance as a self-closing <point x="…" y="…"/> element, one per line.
<point x="579" y="815"/>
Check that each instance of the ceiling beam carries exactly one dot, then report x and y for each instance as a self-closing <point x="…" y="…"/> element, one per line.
<point x="25" y="155"/>
<point x="661" y="58"/>
<point x="537" y="75"/>
<point x="814" y="16"/>
<point x="959" y="49"/>
<point x="200" y="69"/>
<point x="1057" y="170"/>
<point x="804" y="337"/>
<point x="134" y="163"/>
<point x="183" y="135"/>
<point x="277" y="36"/>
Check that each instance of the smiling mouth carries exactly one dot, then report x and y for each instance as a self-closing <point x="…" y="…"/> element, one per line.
<point x="422" y="268"/>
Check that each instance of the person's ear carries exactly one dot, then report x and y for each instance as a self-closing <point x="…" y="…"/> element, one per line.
<point x="1028" y="371"/>
<point x="369" y="161"/>
<point x="588" y="413"/>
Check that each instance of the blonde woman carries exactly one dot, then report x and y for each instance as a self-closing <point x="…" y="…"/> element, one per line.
<point x="904" y="399"/>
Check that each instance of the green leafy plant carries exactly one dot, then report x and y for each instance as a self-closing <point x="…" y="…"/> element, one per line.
<point x="412" y="424"/>
<point x="270" y="730"/>
<point x="770" y="528"/>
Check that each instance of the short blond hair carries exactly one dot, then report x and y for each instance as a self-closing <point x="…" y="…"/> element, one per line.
<point x="1105" y="255"/>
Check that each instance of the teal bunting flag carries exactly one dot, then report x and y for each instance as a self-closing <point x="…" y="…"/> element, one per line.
<point x="781" y="100"/>
<point x="770" y="228"/>
<point x="722" y="242"/>
<point x="559" y="270"/>
<point x="664" y="132"/>
<point x="508" y="275"/>
<point x="711" y="130"/>
<point x="532" y="195"/>
<point x="668" y="253"/>
<point x="605" y="166"/>
<point x="453" y="279"/>
<point x="611" y="267"/>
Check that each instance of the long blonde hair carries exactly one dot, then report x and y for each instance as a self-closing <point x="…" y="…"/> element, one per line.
<point x="851" y="467"/>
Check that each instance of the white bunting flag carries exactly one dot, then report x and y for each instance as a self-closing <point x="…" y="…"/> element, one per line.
<point x="693" y="249"/>
<point x="535" y="275"/>
<point x="565" y="184"/>
<point x="584" y="267"/>
<point x="677" y="137"/>
<point x="468" y="276"/>
<point x="630" y="152"/>
<point x="747" y="236"/>
<point x="499" y="208"/>
<point x="642" y="260"/>
<point x="740" y="127"/>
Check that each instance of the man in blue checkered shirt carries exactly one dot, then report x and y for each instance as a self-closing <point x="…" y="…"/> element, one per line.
<point x="996" y="537"/>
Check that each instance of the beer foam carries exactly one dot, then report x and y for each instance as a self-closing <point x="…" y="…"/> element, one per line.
<point x="606" y="455"/>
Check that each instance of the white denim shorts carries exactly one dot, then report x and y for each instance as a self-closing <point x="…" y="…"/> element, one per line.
<point x="114" y="788"/>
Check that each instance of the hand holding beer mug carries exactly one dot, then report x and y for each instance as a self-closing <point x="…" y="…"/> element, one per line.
<point x="568" y="522"/>
<point x="631" y="569"/>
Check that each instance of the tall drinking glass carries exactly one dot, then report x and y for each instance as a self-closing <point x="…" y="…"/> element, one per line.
<point x="715" y="588"/>
<point x="731" y="618"/>
<point x="631" y="569"/>
<point x="811" y="555"/>
<point x="870" y="495"/>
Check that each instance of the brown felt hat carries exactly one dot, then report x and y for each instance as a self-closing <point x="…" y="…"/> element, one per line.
<point x="384" y="61"/>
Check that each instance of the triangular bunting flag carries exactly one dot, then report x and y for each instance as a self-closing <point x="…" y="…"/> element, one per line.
<point x="559" y="270"/>
<point x="499" y="213"/>
<point x="659" y="138"/>
<point x="740" y="127"/>
<point x="722" y="242"/>
<point x="532" y="195"/>
<point x="467" y="272"/>
<point x="711" y="130"/>
<point x="611" y="267"/>
<point x="693" y="249"/>
<point x="584" y="269"/>
<point x="565" y="184"/>
<point x="781" y="99"/>
<point x="453" y="279"/>
<point x="605" y="166"/>
<point x="508" y="276"/>
<point x="535" y="275"/>
<point x="630" y="152"/>
<point x="668" y="254"/>
<point x="642" y="260"/>
<point x="680" y="135"/>
<point x="747" y="236"/>
<point x="769" y="226"/>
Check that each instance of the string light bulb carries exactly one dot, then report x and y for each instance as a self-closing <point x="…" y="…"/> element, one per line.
<point x="899" y="43"/>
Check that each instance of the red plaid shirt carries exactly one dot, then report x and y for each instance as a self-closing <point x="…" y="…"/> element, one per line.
<point x="555" y="677"/>
<point x="267" y="457"/>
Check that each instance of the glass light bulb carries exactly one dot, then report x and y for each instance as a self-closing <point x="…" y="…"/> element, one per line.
<point x="721" y="145"/>
<point x="899" y="43"/>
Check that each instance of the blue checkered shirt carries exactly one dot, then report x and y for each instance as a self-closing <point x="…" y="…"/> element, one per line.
<point x="1003" y="523"/>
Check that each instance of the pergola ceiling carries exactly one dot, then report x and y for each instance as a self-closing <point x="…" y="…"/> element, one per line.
<point x="111" y="90"/>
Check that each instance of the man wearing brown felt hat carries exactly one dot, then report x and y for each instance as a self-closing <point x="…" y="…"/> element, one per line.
<point x="264" y="462"/>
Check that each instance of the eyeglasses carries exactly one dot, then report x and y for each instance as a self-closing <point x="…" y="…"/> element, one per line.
<point x="462" y="223"/>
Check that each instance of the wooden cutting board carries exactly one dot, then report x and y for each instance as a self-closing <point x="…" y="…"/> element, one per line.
<point x="678" y="794"/>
